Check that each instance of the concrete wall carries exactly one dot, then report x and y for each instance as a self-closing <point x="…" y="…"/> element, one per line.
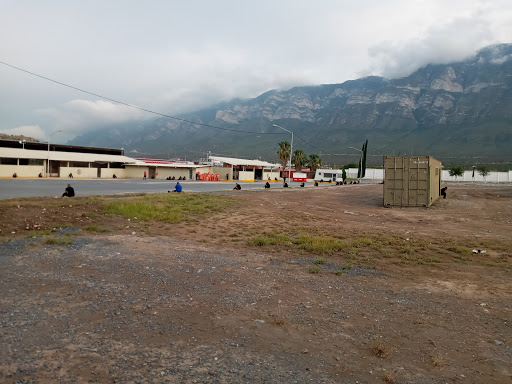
<point x="246" y="175"/>
<point x="78" y="172"/>
<point x="7" y="170"/>
<point x="164" y="173"/>
<point x="222" y="171"/>
<point x="493" y="177"/>
<point x="135" y="172"/>
<point x="272" y="175"/>
<point x="108" y="173"/>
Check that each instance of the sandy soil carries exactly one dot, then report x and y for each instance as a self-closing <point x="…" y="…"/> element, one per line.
<point x="196" y="303"/>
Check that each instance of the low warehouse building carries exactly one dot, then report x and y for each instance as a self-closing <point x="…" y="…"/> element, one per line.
<point x="34" y="159"/>
<point x="244" y="169"/>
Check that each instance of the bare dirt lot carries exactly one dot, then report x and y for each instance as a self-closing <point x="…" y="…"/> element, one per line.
<point x="319" y="285"/>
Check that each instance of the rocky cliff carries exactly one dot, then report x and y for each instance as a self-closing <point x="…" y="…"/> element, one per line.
<point x="460" y="110"/>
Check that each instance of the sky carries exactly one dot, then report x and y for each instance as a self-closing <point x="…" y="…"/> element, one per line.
<point x="175" y="56"/>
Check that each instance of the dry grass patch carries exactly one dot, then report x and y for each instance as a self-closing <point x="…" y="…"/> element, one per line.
<point x="438" y="360"/>
<point x="389" y="378"/>
<point x="381" y="350"/>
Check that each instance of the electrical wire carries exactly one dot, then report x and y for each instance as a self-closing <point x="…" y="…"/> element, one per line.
<point x="157" y="113"/>
<point x="137" y="107"/>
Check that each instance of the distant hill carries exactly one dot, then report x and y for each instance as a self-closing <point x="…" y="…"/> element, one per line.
<point x="5" y="136"/>
<point x="459" y="112"/>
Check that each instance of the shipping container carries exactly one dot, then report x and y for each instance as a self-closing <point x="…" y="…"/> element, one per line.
<point x="411" y="181"/>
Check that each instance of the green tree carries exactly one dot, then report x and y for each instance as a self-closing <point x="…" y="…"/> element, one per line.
<point x="484" y="171"/>
<point x="299" y="159"/>
<point x="361" y="170"/>
<point x="456" y="171"/>
<point x="314" y="162"/>
<point x="344" y="174"/>
<point x="284" y="152"/>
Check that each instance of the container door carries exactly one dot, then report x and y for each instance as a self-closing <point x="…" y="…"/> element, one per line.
<point x="418" y="181"/>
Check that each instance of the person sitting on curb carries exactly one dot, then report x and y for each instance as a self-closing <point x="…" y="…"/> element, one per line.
<point x="285" y="185"/>
<point x="69" y="192"/>
<point x="177" y="188"/>
<point x="267" y="185"/>
<point x="237" y="187"/>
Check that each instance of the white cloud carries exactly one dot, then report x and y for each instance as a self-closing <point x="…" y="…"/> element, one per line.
<point x="78" y="116"/>
<point x="455" y="39"/>
<point x="175" y="56"/>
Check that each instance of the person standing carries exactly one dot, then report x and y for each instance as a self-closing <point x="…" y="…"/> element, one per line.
<point x="145" y="175"/>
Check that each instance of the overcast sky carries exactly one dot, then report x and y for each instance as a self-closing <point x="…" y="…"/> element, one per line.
<point x="177" y="56"/>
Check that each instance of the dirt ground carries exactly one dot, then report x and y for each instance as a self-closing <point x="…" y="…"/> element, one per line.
<point x="406" y="301"/>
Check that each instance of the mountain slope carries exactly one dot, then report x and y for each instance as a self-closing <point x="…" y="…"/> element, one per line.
<point x="460" y="110"/>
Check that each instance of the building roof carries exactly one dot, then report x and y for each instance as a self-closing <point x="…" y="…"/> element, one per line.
<point x="19" y="153"/>
<point x="138" y="163"/>
<point x="40" y="146"/>
<point x="235" y="161"/>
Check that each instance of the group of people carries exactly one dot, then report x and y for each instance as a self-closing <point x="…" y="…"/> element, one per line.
<point x="174" y="178"/>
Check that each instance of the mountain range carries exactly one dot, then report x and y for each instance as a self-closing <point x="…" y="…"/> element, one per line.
<point x="459" y="112"/>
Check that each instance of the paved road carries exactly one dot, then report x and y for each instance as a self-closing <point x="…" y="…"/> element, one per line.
<point x="11" y="188"/>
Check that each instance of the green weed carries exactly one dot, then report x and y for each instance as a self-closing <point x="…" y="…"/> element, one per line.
<point x="57" y="241"/>
<point x="320" y="244"/>
<point x="42" y="232"/>
<point x="95" y="228"/>
<point x="169" y="208"/>
<point x="314" y="244"/>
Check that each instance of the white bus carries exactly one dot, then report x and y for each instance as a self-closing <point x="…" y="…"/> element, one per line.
<point x="329" y="175"/>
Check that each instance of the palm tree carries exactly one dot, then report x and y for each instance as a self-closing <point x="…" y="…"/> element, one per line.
<point x="314" y="162"/>
<point x="299" y="159"/>
<point x="284" y="152"/>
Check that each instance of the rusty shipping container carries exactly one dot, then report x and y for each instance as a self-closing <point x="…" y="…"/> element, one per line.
<point x="411" y="181"/>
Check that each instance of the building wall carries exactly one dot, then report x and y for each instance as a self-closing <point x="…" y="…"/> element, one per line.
<point x="135" y="172"/>
<point x="272" y="174"/>
<point x="223" y="172"/>
<point x="7" y="170"/>
<point x="165" y="172"/>
<point x="78" y="172"/>
<point x="108" y="173"/>
<point x="246" y="175"/>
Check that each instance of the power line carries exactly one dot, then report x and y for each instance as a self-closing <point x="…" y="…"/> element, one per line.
<point x="135" y="106"/>
<point x="154" y="112"/>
